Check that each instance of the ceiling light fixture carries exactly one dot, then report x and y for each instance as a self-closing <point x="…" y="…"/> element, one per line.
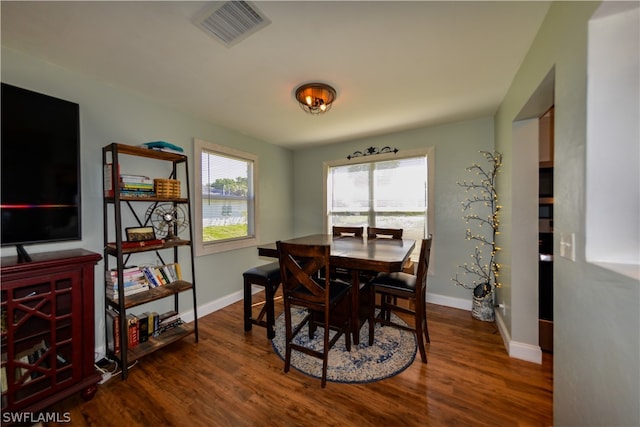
<point x="315" y="98"/>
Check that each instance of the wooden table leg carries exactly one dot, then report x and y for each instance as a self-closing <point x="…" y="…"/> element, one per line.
<point x="355" y="306"/>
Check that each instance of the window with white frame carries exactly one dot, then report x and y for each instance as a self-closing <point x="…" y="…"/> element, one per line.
<point x="225" y="198"/>
<point x="389" y="191"/>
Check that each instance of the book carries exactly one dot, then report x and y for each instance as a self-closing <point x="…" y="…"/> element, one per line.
<point x="168" y="150"/>
<point x="168" y="317"/>
<point x="128" y="283"/>
<point x="176" y="266"/>
<point x="141" y="244"/>
<point x="128" y="286"/>
<point x="163" y="145"/>
<point x="137" y="193"/>
<point x="149" y="315"/>
<point x="22" y="372"/>
<point x="129" y="178"/>
<point x="163" y="269"/>
<point x="156" y="324"/>
<point x="151" y="278"/>
<point x="115" y="295"/>
<point x="3" y="378"/>
<point x="111" y="279"/>
<point x="169" y="273"/>
<point x="113" y="332"/>
<point x="158" y="274"/>
<point x="171" y="325"/>
<point x="132" y="330"/>
<point x="107" y="173"/>
<point x="133" y="186"/>
<point x="143" y="327"/>
<point x="27" y="362"/>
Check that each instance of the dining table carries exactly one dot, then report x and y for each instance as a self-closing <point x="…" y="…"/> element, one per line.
<point x="358" y="255"/>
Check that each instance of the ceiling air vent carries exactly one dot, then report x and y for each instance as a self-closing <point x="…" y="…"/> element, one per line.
<point x="232" y="21"/>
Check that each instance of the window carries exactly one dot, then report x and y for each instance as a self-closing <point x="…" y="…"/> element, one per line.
<point x="386" y="191"/>
<point x="225" y="198"/>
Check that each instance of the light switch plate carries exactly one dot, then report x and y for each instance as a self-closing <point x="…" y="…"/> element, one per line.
<point x="568" y="245"/>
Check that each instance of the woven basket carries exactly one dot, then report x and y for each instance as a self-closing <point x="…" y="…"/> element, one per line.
<point x="169" y="188"/>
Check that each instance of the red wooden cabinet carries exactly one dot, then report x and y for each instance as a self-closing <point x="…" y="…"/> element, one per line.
<point x="47" y="331"/>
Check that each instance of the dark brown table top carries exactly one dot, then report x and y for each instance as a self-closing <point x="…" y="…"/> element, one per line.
<point x="355" y="253"/>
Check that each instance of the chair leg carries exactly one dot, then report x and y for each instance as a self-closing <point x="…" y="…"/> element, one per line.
<point x="247" y="305"/>
<point x="325" y="351"/>
<point x="372" y="314"/>
<point x="426" y="326"/>
<point x="288" y="336"/>
<point x="347" y="333"/>
<point x="419" y="325"/>
<point x="269" y="292"/>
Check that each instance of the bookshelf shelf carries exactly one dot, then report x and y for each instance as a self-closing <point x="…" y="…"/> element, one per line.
<point x="118" y="253"/>
<point x="153" y="294"/>
<point x="156" y="343"/>
<point x="112" y="248"/>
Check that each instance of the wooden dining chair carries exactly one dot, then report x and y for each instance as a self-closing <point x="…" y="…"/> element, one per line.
<point x="347" y="231"/>
<point x="392" y="286"/>
<point x="378" y="232"/>
<point x="322" y="297"/>
<point x="344" y="231"/>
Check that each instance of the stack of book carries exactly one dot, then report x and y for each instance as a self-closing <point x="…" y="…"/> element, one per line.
<point x="167" y="321"/>
<point x="164" y="146"/>
<point x="135" y="281"/>
<point x="136" y="186"/>
<point x="160" y="275"/>
<point x="140" y="327"/>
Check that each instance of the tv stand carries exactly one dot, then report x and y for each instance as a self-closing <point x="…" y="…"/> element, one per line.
<point x="23" y="256"/>
<point x="47" y="334"/>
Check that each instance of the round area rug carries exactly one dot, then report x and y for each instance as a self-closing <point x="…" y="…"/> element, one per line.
<point x="393" y="350"/>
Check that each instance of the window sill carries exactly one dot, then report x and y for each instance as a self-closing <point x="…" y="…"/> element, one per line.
<point x="629" y="270"/>
<point x="214" y="248"/>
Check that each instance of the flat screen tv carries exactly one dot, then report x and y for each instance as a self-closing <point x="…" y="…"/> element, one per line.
<point x="40" y="151"/>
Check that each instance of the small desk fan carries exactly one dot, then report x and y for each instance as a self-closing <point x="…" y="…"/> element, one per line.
<point x="168" y="220"/>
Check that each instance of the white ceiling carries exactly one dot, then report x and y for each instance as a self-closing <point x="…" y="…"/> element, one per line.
<point x="395" y="65"/>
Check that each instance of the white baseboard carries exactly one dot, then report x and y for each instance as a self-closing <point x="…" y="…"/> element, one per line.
<point x="212" y="306"/>
<point x="447" y="301"/>
<point x="517" y="350"/>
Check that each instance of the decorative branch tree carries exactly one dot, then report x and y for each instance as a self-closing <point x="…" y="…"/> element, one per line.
<point x="484" y="273"/>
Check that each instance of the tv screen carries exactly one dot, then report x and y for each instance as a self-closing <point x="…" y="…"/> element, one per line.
<point x="40" y="151"/>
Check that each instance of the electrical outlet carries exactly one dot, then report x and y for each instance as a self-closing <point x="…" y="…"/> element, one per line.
<point x="568" y="245"/>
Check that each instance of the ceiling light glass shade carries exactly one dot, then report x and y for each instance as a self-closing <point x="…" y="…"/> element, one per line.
<point x="315" y="98"/>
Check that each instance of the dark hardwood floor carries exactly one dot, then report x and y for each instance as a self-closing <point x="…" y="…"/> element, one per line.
<point x="233" y="378"/>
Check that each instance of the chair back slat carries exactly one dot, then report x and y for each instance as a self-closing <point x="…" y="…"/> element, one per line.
<point x="423" y="265"/>
<point x="299" y="268"/>
<point x="348" y="231"/>
<point x="378" y="232"/>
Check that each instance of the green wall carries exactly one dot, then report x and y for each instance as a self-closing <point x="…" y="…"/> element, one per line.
<point x="113" y="114"/>
<point x="596" y="312"/>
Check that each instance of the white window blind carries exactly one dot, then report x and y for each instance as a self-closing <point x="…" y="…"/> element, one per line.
<point x="226" y="198"/>
<point x="388" y="193"/>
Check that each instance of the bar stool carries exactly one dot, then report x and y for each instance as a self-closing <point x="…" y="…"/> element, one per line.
<point x="268" y="276"/>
